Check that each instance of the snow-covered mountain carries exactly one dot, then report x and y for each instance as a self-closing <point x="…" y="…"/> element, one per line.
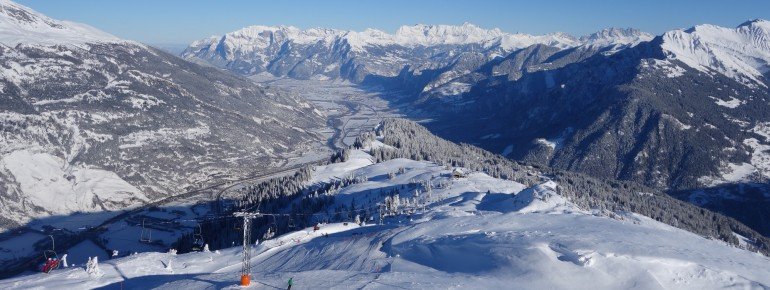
<point x="683" y="111"/>
<point x="603" y="127"/>
<point x="438" y="231"/>
<point x="21" y="25"/>
<point x="372" y="54"/>
<point x="686" y="112"/>
<point x="92" y="123"/>
<point x="741" y="53"/>
<point x="615" y="36"/>
<point x="705" y="71"/>
<point x="255" y="39"/>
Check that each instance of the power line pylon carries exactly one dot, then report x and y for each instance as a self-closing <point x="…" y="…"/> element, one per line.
<point x="246" y="262"/>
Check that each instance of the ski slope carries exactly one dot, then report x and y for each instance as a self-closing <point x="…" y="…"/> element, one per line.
<point x="474" y="232"/>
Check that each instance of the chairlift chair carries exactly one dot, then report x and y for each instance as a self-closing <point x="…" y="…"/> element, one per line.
<point x="198" y="243"/>
<point x="271" y="229"/>
<point x="51" y="258"/>
<point x="291" y="224"/>
<point x="146" y="235"/>
<point x="273" y="225"/>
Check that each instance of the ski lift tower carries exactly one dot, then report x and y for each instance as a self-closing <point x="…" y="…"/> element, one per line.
<point x="246" y="263"/>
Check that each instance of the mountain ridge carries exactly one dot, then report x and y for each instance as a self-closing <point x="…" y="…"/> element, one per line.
<point x="741" y="53"/>
<point x="97" y="124"/>
<point x="20" y="24"/>
<point x="417" y="35"/>
<point x="354" y="55"/>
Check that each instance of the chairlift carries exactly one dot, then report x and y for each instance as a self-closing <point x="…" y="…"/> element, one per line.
<point x="273" y="225"/>
<point x="271" y="228"/>
<point x="291" y="224"/>
<point x="146" y="235"/>
<point x="51" y="258"/>
<point x="198" y="244"/>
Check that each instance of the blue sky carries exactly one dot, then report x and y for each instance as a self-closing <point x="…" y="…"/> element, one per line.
<point x="182" y="21"/>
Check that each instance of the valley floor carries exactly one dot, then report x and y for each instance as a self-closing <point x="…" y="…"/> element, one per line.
<point x="350" y="108"/>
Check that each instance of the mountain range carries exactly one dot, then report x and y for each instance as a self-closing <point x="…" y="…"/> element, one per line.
<point x="354" y="56"/>
<point x="621" y="158"/>
<point x="685" y="111"/>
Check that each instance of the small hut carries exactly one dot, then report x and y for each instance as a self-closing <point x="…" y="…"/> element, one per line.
<point x="458" y="173"/>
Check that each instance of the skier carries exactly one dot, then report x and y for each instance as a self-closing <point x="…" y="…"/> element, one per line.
<point x="291" y="281"/>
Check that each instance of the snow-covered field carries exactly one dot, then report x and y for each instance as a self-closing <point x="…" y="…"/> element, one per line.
<point x="473" y="232"/>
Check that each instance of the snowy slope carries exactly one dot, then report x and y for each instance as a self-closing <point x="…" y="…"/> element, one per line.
<point x="475" y="232"/>
<point x="62" y="188"/>
<point x="741" y="53"/>
<point x="19" y="24"/>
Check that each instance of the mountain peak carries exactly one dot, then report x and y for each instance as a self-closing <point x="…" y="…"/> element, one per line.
<point x="466" y="33"/>
<point x="741" y="53"/>
<point x="20" y="24"/>
<point x="285" y="32"/>
<point x="612" y="35"/>
<point x="11" y="12"/>
<point x="755" y="22"/>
